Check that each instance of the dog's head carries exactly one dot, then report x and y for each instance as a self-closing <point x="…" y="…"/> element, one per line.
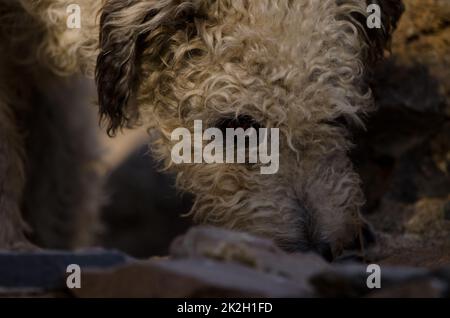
<point x="294" y="65"/>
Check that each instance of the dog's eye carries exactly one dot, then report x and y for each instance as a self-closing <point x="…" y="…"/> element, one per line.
<point x="242" y="121"/>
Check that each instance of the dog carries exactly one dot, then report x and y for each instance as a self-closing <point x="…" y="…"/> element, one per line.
<point x="299" y="66"/>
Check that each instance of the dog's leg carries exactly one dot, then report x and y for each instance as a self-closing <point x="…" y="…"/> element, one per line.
<point x="62" y="192"/>
<point x="12" y="226"/>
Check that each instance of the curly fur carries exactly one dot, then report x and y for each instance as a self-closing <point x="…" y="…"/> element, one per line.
<point x="295" y="65"/>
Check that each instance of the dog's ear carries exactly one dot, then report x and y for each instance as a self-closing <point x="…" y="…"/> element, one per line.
<point x="127" y="29"/>
<point x="377" y="37"/>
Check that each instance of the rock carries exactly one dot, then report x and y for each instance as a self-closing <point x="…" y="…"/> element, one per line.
<point x="350" y="280"/>
<point x="395" y="282"/>
<point x="410" y="251"/>
<point x="186" y="278"/>
<point x="258" y="253"/>
<point x="418" y="288"/>
<point x="429" y="220"/>
<point x="214" y="242"/>
<point x="46" y="270"/>
<point x="422" y="38"/>
<point x="210" y="261"/>
<point x="214" y="262"/>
